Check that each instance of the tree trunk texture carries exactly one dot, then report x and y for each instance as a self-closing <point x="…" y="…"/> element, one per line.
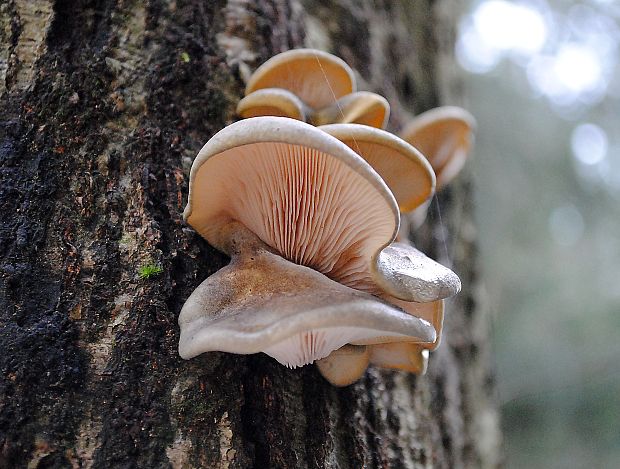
<point x="104" y="105"/>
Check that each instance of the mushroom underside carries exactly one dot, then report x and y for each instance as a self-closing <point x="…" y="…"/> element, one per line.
<point x="312" y="207"/>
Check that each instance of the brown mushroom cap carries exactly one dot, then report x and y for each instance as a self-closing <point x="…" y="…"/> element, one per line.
<point x="316" y="77"/>
<point x="362" y="107"/>
<point x="300" y="190"/>
<point x="261" y="302"/>
<point x="403" y="168"/>
<point x="272" y="102"/>
<point x="444" y="135"/>
<point x="345" y="365"/>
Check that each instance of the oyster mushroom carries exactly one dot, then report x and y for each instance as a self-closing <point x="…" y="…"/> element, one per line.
<point x="314" y="76"/>
<point x="261" y="302"/>
<point x="312" y="86"/>
<point x="302" y="192"/>
<point x="444" y="135"/>
<point x="313" y="201"/>
<point x="273" y="102"/>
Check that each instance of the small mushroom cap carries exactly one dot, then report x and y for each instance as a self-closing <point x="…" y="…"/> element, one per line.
<point x="444" y="135"/>
<point x="316" y="77"/>
<point x="404" y="169"/>
<point x="261" y="302"/>
<point x="400" y="356"/>
<point x="302" y="191"/>
<point x="272" y="102"/>
<point x="345" y="365"/>
<point x="362" y="107"/>
<point x="408" y="274"/>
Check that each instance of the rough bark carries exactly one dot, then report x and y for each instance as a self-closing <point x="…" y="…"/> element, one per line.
<point x="104" y="104"/>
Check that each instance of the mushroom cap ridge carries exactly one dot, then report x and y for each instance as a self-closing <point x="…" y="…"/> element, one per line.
<point x="316" y="77"/>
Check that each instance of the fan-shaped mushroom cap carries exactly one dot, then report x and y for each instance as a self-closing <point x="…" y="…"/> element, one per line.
<point x="316" y="77"/>
<point x="410" y="275"/>
<point x="444" y="135"/>
<point x="400" y="356"/>
<point x="345" y="365"/>
<point x="262" y="302"/>
<point x="302" y="191"/>
<point x="362" y="107"/>
<point x="272" y="102"/>
<point x="403" y="168"/>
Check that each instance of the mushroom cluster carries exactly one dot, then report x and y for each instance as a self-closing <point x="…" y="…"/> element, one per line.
<point x="305" y="196"/>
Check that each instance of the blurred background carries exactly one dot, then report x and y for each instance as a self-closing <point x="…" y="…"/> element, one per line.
<point x="543" y="80"/>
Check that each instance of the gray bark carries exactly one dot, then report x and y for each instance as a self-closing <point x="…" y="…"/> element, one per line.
<point x="104" y="104"/>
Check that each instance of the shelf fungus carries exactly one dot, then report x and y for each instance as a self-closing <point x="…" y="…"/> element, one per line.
<point x="309" y="226"/>
<point x="305" y="195"/>
<point x="312" y="86"/>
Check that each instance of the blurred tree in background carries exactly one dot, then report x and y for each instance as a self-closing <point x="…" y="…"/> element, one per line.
<point x="543" y="80"/>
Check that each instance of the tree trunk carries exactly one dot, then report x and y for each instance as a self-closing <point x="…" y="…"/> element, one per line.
<point x="104" y="105"/>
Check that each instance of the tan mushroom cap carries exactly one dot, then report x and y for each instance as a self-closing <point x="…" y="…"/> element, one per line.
<point x="272" y="102"/>
<point x="261" y="302"/>
<point x="346" y="365"/>
<point x="404" y="169"/>
<point x="444" y="135"/>
<point x="303" y="192"/>
<point x="362" y="107"/>
<point x="400" y="356"/>
<point x="316" y="77"/>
